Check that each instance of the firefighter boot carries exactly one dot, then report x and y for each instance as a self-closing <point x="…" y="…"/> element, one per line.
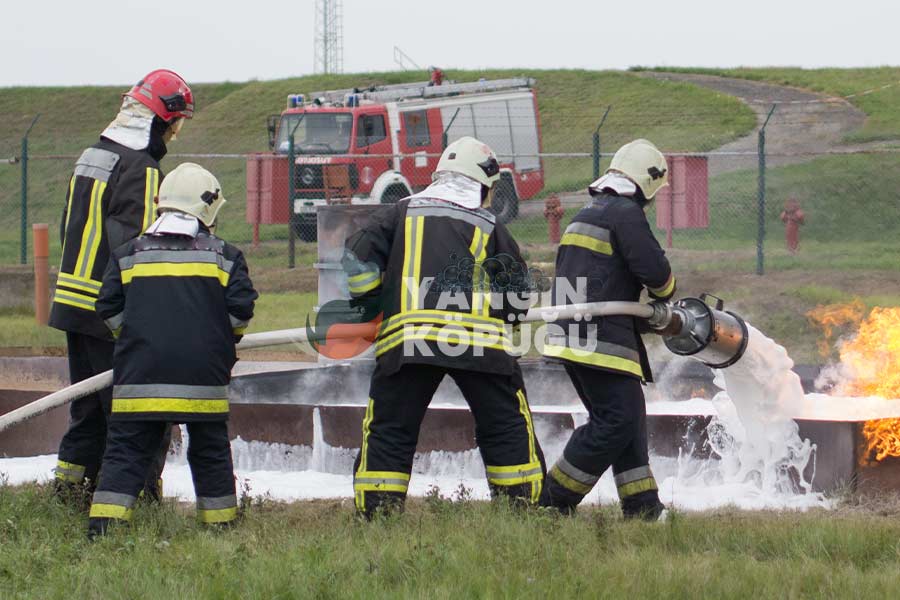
<point x="645" y="506"/>
<point x="381" y="503"/>
<point x="556" y="496"/>
<point x="97" y="527"/>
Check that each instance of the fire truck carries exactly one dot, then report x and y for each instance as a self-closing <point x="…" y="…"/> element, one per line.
<point x="381" y="144"/>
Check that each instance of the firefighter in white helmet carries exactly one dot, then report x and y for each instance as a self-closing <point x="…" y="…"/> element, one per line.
<point x="109" y="201"/>
<point x="609" y="246"/>
<point x="177" y="299"/>
<point x="430" y="264"/>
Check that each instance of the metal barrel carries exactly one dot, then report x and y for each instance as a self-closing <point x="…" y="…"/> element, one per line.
<point x="713" y="336"/>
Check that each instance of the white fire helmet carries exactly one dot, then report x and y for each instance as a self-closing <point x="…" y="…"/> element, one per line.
<point x="471" y="158"/>
<point x="642" y="163"/>
<point x="193" y="190"/>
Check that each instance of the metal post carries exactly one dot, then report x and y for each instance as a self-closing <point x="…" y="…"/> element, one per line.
<point x="292" y="221"/>
<point x="761" y="196"/>
<point x="23" y="250"/>
<point x="596" y="147"/>
<point x="445" y="135"/>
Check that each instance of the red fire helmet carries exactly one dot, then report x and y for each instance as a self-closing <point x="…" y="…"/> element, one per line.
<point x="165" y="93"/>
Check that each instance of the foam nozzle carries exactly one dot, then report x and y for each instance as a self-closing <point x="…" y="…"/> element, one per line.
<point x="709" y="334"/>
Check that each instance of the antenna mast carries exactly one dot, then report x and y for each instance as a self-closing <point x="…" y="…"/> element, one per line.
<point x="328" y="56"/>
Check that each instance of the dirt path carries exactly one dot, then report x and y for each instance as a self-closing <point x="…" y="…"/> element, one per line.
<point x="804" y="124"/>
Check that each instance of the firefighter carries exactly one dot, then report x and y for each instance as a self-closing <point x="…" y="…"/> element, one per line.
<point x="109" y="201"/>
<point x="431" y="262"/>
<point x="177" y="299"/>
<point x="609" y="253"/>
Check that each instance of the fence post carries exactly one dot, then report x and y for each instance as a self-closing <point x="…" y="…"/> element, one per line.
<point x="761" y="196"/>
<point x="23" y="250"/>
<point x="290" y="197"/>
<point x="596" y="146"/>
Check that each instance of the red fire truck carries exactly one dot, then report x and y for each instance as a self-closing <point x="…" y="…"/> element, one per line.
<point x="381" y="144"/>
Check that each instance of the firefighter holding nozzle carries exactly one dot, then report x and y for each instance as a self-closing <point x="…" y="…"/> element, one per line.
<point x="609" y="252"/>
<point x="431" y="263"/>
<point x="109" y="201"/>
<point x="177" y="299"/>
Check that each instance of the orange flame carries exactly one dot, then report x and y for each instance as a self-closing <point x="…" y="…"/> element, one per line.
<point x="871" y="362"/>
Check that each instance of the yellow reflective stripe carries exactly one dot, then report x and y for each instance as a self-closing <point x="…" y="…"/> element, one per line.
<point x="239" y="330"/>
<point x="665" y="290"/>
<point x="469" y="325"/>
<point x="361" y="276"/>
<point x="455" y="337"/>
<point x="531" y="472"/>
<point x="79" y="283"/>
<point x="98" y="224"/>
<point x="166" y="269"/>
<point x="151" y="189"/>
<point x="359" y="496"/>
<point x="478" y="249"/>
<point x="532" y="445"/>
<point x="568" y="482"/>
<point x="585" y="241"/>
<point x="217" y="515"/>
<point x="417" y="261"/>
<point x="74" y="299"/>
<point x="66" y="471"/>
<point x="636" y="487"/>
<point x="90" y="237"/>
<point x="69" y="208"/>
<point x="110" y="511"/>
<point x="596" y="359"/>
<point x="442" y="317"/>
<point x="175" y="405"/>
<point x="383" y="475"/>
<point x="380" y="481"/>
<point x="366" y="287"/>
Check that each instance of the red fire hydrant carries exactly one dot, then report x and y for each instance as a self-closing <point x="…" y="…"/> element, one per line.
<point x="553" y="212"/>
<point x="792" y="217"/>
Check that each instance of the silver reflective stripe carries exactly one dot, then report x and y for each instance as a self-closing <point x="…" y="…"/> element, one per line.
<point x="595" y="346"/>
<point x="513" y="474"/>
<point x="169" y="390"/>
<point x="460" y="214"/>
<point x="114" y="498"/>
<point x="593" y="231"/>
<point x="64" y="278"/>
<point x="235" y="322"/>
<point x="95" y="220"/>
<point x="380" y="481"/>
<point x="575" y="473"/>
<point x="76" y="473"/>
<point x="145" y="92"/>
<point x="633" y="475"/>
<point x="216" y="503"/>
<point x="96" y="164"/>
<point x="479" y="245"/>
<point x="115" y="321"/>
<point x="174" y="256"/>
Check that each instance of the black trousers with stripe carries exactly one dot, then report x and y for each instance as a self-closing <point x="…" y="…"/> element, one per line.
<point x="615" y="435"/>
<point x="504" y="432"/>
<point x="131" y="450"/>
<point x="82" y="446"/>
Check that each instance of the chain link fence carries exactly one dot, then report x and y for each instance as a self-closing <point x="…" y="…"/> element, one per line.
<point x="738" y="203"/>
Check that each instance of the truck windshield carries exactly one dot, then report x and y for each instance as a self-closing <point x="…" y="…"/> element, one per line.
<point x="317" y="133"/>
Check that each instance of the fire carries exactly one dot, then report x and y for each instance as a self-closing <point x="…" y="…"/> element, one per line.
<point x="870" y="363"/>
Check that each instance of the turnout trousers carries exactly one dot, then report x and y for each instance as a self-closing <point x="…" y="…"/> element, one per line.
<point x="130" y="452"/>
<point x="83" y="444"/>
<point x="504" y="432"/>
<point x="615" y="435"/>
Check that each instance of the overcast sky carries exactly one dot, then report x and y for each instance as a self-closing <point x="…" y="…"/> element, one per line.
<point x="107" y="42"/>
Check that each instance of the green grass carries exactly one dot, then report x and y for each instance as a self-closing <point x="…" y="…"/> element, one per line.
<point x="231" y="119"/>
<point x="881" y="107"/>
<point x="440" y="549"/>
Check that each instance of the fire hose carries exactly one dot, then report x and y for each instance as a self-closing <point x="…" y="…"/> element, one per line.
<point x="689" y="327"/>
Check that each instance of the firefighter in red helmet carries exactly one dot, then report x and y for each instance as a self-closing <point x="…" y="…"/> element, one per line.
<point x="109" y="201"/>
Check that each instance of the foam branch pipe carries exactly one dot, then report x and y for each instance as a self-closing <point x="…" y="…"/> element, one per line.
<point x="657" y="314"/>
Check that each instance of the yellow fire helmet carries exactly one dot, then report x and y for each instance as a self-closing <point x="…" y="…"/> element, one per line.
<point x="471" y="158"/>
<point x="642" y="163"/>
<point x="193" y="190"/>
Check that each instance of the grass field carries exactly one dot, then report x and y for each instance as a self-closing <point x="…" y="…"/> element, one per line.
<point x="444" y="549"/>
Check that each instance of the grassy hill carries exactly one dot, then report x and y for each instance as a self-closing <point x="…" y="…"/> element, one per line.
<point x="231" y="119"/>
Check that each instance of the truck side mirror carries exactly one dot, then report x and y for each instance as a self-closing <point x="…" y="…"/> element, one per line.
<point x="272" y="128"/>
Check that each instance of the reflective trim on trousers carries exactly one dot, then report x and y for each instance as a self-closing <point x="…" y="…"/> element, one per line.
<point x="217" y="510"/>
<point x="69" y="472"/>
<point x="169" y="390"/>
<point x="634" y="481"/>
<point x="380" y="481"/>
<point x="112" y="505"/>
<point x="514" y="474"/>
<point x="573" y="478"/>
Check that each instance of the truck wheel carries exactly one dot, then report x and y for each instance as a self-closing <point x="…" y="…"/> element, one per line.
<point x="306" y="228"/>
<point x="505" y="204"/>
<point x="394" y="194"/>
